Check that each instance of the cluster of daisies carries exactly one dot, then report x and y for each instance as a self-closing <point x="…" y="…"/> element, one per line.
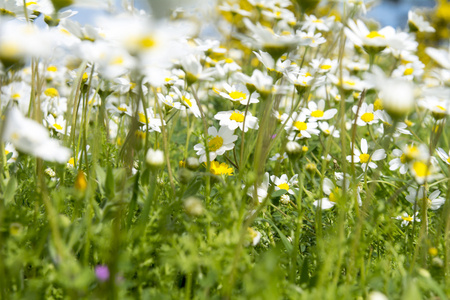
<point x="324" y="80"/>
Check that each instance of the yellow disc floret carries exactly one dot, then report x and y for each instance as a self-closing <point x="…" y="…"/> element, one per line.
<point x="215" y="143"/>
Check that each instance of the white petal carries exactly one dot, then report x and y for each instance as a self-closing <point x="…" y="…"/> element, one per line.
<point x="364" y="146"/>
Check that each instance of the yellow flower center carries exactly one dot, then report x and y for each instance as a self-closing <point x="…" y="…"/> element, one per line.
<point x="448" y="160"/>
<point x="15" y="96"/>
<point x="421" y="169"/>
<point x="367" y="117"/>
<point x="229" y="60"/>
<point x="408" y="71"/>
<point x="325" y="67"/>
<point x="215" y="143"/>
<point x="374" y="34"/>
<point x="441" y="107"/>
<point x="6" y="152"/>
<point x="403" y="158"/>
<point x="317" y="114"/>
<point x="411" y="152"/>
<point x="300" y="125"/>
<point x="71" y="161"/>
<point x="237" y="116"/>
<point x="378" y="104"/>
<point x="52" y="69"/>
<point x="57" y="126"/>
<point x="118" y="60"/>
<point x="333" y="194"/>
<point x="408" y="123"/>
<point x="237" y="95"/>
<point x="147" y="42"/>
<point x="349" y="82"/>
<point x="364" y="158"/>
<point x="142" y="118"/>
<point x="122" y="108"/>
<point x="51" y="92"/>
<point x="85" y="76"/>
<point x="187" y="101"/>
<point x="283" y="186"/>
<point x="407" y="218"/>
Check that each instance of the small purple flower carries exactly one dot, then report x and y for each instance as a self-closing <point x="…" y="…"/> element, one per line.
<point x="274" y="136"/>
<point x="102" y="272"/>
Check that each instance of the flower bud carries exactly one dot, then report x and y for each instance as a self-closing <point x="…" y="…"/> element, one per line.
<point x="284" y="199"/>
<point x="155" y="158"/>
<point x="192" y="163"/>
<point x="193" y="206"/>
<point x="293" y="149"/>
<point x="311" y="168"/>
<point x="398" y="98"/>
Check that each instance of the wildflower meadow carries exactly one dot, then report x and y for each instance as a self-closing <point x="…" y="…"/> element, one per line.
<point x="227" y="149"/>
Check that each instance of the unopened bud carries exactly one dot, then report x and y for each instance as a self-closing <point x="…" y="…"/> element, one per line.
<point x="398" y="98"/>
<point x="185" y="175"/>
<point x="193" y="206"/>
<point x="311" y="168"/>
<point x="192" y="163"/>
<point x="155" y="158"/>
<point x="293" y="149"/>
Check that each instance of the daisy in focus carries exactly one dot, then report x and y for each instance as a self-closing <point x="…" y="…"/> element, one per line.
<point x="366" y="160"/>
<point x="220" y="141"/>
<point x="283" y="183"/>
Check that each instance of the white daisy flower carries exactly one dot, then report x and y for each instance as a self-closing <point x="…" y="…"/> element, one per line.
<point x="417" y="23"/>
<point x="280" y="66"/>
<point x="443" y="155"/>
<point x="235" y="118"/>
<point x="218" y="143"/>
<point x="238" y="93"/>
<point x="31" y="137"/>
<point x="283" y="183"/>
<point x="58" y="124"/>
<point x="188" y="101"/>
<point x="261" y="190"/>
<point x="366" y="114"/>
<point x="169" y="101"/>
<point x="406" y="219"/>
<point x="153" y="121"/>
<point x="259" y="81"/>
<point x="278" y="157"/>
<point x="439" y="108"/>
<point x="424" y="170"/>
<point x="316" y="111"/>
<point x="441" y="56"/>
<point x="324" y="65"/>
<point x="312" y="23"/>
<point x="10" y="150"/>
<point x="416" y="198"/>
<point x="329" y="130"/>
<point x="366" y="160"/>
<point x="400" y="161"/>
<point x="299" y="127"/>
<point x="400" y="127"/>
<point x="330" y="190"/>
<point x="372" y="41"/>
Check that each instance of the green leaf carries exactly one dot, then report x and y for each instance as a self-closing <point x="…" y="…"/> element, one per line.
<point x="278" y="193"/>
<point x="284" y="239"/>
<point x="10" y="190"/>
<point x="109" y="183"/>
<point x="192" y="189"/>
